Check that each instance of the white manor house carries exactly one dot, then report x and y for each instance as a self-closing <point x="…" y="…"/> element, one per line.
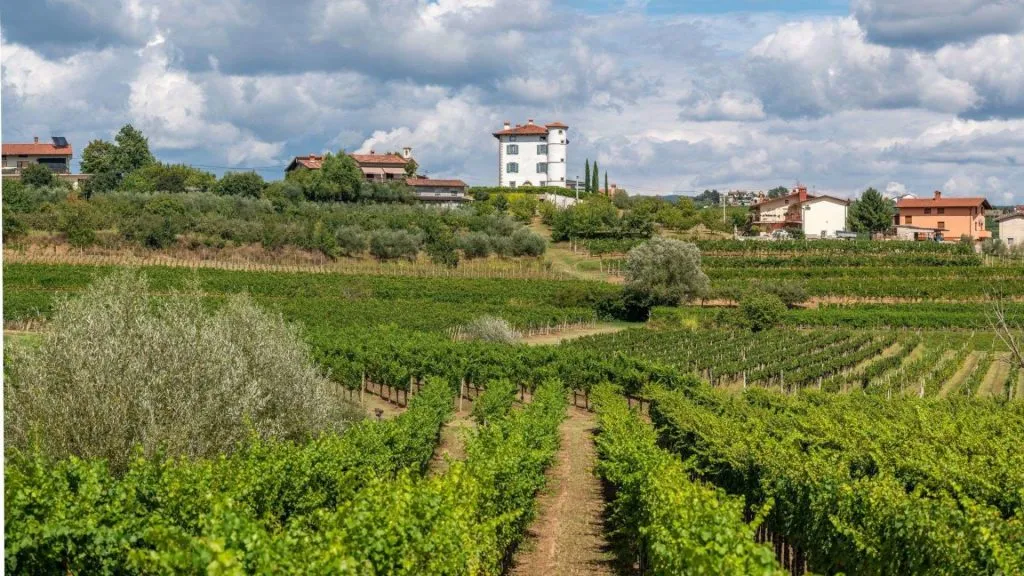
<point x="531" y="154"/>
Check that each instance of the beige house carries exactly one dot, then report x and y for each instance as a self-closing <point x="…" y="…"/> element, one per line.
<point x="375" y="167"/>
<point x="54" y="155"/>
<point x="446" y="193"/>
<point x="1011" y="229"/>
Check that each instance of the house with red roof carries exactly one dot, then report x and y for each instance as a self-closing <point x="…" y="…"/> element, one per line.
<point x="942" y="218"/>
<point x="55" y="155"/>
<point x="532" y="155"/>
<point x="445" y="193"/>
<point x="375" y="167"/>
<point x="817" y="216"/>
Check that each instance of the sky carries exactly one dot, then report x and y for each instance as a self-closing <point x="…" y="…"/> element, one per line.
<point x="668" y="97"/>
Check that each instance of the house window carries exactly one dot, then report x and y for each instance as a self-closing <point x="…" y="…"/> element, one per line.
<point x="909" y="219"/>
<point x="927" y="210"/>
<point x="542" y="167"/>
<point x="559" y="131"/>
<point x="942" y="225"/>
<point x="942" y="210"/>
<point x="1009" y="241"/>
<point x="512" y="168"/>
<point x="542" y="148"/>
<point x="512" y="149"/>
<point x="543" y="183"/>
<point x="511" y="138"/>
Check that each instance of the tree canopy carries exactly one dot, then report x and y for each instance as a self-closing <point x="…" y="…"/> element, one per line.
<point x="663" y="271"/>
<point x="872" y="213"/>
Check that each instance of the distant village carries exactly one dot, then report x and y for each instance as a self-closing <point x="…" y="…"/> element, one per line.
<point x="535" y="155"/>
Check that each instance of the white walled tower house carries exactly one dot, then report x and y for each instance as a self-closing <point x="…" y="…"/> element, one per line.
<point x="532" y="155"/>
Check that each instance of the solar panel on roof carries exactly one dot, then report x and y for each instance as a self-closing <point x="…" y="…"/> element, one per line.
<point x="60" y="141"/>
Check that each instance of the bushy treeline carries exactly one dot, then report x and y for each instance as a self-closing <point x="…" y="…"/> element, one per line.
<point x="162" y="220"/>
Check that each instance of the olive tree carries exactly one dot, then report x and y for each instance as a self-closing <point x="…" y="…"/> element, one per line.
<point x="118" y="371"/>
<point x="662" y="271"/>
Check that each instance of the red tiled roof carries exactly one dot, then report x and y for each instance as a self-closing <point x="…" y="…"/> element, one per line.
<point x="37" y="149"/>
<point x="525" y="130"/>
<point x="967" y="202"/>
<point x="391" y="159"/>
<point x="791" y="196"/>
<point x="430" y="182"/>
<point x="556" y="125"/>
<point x="312" y="161"/>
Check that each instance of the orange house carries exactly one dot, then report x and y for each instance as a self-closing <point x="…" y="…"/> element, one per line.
<point x="950" y="217"/>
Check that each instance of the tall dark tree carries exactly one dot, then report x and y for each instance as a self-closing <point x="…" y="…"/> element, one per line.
<point x="595" y="183"/>
<point x="778" y="192"/>
<point x="586" y="176"/>
<point x="607" y="190"/>
<point x="132" y="150"/>
<point x="872" y="213"/>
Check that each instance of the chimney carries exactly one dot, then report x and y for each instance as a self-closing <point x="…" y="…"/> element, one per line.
<point x="372" y="152"/>
<point x="801" y="193"/>
<point x="938" y="195"/>
<point x="35" y="139"/>
<point x="407" y="152"/>
<point x="507" y="125"/>
<point x="530" y="122"/>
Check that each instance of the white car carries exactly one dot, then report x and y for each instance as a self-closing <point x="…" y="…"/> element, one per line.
<point x="779" y="235"/>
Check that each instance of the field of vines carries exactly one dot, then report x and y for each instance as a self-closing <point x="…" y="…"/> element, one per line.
<point x="356" y="503"/>
<point x="863" y="484"/>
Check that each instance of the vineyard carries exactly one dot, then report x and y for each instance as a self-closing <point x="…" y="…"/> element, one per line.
<point x="858" y="438"/>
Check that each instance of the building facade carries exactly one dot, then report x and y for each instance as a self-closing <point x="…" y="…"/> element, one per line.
<point x="445" y="193"/>
<point x="1011" y="229"/>
<point x="815" y="216"/>
<point x="54" y="155"/>
<point x="532" y="155"/>
<point x="375" y="167"/>
<point x="946" y="219"/>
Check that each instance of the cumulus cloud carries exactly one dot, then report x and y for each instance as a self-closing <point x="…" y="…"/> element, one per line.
<point x="931" y="23"/>
<point x="730" y="105"/>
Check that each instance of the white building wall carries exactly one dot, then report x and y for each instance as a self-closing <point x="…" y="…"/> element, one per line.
<point x="558" y="139"/>
<point x="527" y="158"/>
<point x="824" y="216"/>
<point x="1012" y="229"/>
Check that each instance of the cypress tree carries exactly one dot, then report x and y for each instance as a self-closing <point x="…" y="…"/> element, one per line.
<point x="606" y="189"/>
<point x="595" y="184"/>
<point x="586" y="176"/>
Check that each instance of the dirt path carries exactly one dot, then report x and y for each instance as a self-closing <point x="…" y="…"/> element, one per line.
<point x="567" y="536"/>
<point x="995" y="379"/>
<point x="563" y="335"/>
<point x="954" y="383"/>
<point x="373" y="402"/>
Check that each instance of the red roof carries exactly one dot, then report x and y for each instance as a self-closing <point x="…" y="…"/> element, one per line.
<point x="430" y="182"/>
<point x="967" y="202"/>
<point x="313" y="162"/>
<point x="37" y="149"/>
<point x="390" y="159"/>
<point x="556" y="125"/>
<point x="525" y="130"/>
<point x="791" y="196"/>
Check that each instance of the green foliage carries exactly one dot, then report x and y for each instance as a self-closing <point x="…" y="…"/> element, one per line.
<point x="442" y="247"/>
<point x="496" y="402"/>
<point x="761" y="311"/>
<point x="523" y="207"/>
<point x="595" y="183"/>
<point x="526" y="243"/>
<point x="872" y="212"/>
<point x="598" y="218"/>
<point x="778" y="192"/>
<point x="351" y="240"/>
<point x="38" y="175"/>
<point x="98" y="157"/>
<point x="586" y="176"/>
<point x="665" y="271"/>
<point x="662" y="517"/>
<point x="132" y="151"/>
<point x="115" y="368"/>
<point x="75" y="221"/>
<point x="483" y="193"/>
<point x="245" y="184"/>
<point x="394" y="244"/>
<point x="341" y="179"/>
<point x="475" y="245"/>
<point x="171" y="178"/>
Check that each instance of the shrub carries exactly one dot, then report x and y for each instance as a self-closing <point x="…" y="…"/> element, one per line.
<point x="248" y="184"/>
<point x="490" y="329"/>
<point x="527" y="243"/>
<point x="443" y="248"/>
<point x="476" y="245"/>
<point x="501" y="245"/>
<point x="665" y="272"/>
<point x="523" y="207"/>
<point x="762" y="311"/>
<point x="117" y="371"/>
<point x="38" y="175"/>
<point x="547" y="213"/>
<point x="351" y="240"/>
<point x="76" y="222"/>
<point x="394" y="244"/>
<point x="993" y="247"/>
